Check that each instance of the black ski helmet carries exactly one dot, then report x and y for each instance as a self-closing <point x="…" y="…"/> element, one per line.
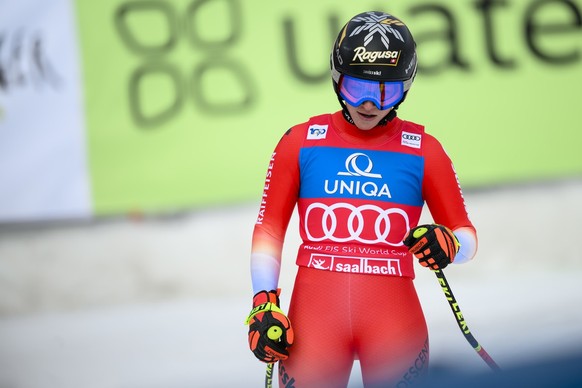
<point x="374" y="46"/>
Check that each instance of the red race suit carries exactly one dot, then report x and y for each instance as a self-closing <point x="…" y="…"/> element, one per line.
<point x="357" y="194"/>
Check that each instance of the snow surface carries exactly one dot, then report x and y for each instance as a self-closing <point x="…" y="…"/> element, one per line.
<point x="159" y="302"/>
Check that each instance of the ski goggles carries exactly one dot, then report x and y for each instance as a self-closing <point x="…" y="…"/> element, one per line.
<point x="383" y="94"/>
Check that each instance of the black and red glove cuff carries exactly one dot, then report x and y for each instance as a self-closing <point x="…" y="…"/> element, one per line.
<point x="264" y="296"/>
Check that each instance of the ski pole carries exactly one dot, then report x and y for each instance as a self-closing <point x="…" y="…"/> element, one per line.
<point x="269" y="375"/>
<point x="274" y="333"/>
<point x="461" y="320"/>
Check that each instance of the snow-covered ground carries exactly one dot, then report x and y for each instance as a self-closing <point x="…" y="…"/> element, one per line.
<point x="160" y="302"/>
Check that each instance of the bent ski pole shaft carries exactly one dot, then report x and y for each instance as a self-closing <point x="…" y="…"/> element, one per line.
<point x="461" y="320"/>
<point x="269" y="375"/>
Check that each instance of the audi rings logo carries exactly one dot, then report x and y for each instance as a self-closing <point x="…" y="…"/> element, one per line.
<point x="408" y="136"/>
<point x="344" y="222"/>
<point x="353" y="169"/>
<point x="411" y="139"/>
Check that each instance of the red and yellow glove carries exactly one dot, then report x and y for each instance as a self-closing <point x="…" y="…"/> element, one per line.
<point x="435" y="246"/>
<point x="270" y="332"/>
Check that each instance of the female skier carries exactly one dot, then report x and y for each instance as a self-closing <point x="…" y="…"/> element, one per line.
<point x="359" y="178"/>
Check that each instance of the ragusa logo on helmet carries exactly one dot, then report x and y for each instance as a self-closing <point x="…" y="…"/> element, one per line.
<point x="364" y="56"/>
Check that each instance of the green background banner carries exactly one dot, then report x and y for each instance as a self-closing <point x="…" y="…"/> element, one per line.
<point x="185" y="100"/>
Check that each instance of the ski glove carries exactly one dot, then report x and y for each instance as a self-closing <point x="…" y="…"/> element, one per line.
<point x="270" y="332"/>
<point x="435" y="246"/>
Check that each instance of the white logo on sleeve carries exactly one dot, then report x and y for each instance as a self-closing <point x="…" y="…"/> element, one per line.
<point x="315" y="132"/>
<point x="411" y="139"/>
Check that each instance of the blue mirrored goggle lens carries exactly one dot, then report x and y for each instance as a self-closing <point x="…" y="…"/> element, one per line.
<point x="383" y="94"/>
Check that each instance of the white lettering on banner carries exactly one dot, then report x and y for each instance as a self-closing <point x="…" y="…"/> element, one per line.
<point x="43" y="170"/>
<point x="369" y="189"/>
<point x="460" y="190"/>
<point x="357" y="250"/>
<point x="354" y="164"/>
<point x="263" y="206"/>
<point x="365" y="268"/>
<point x="351" y="264"/>
<point x="313" y="248"/>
